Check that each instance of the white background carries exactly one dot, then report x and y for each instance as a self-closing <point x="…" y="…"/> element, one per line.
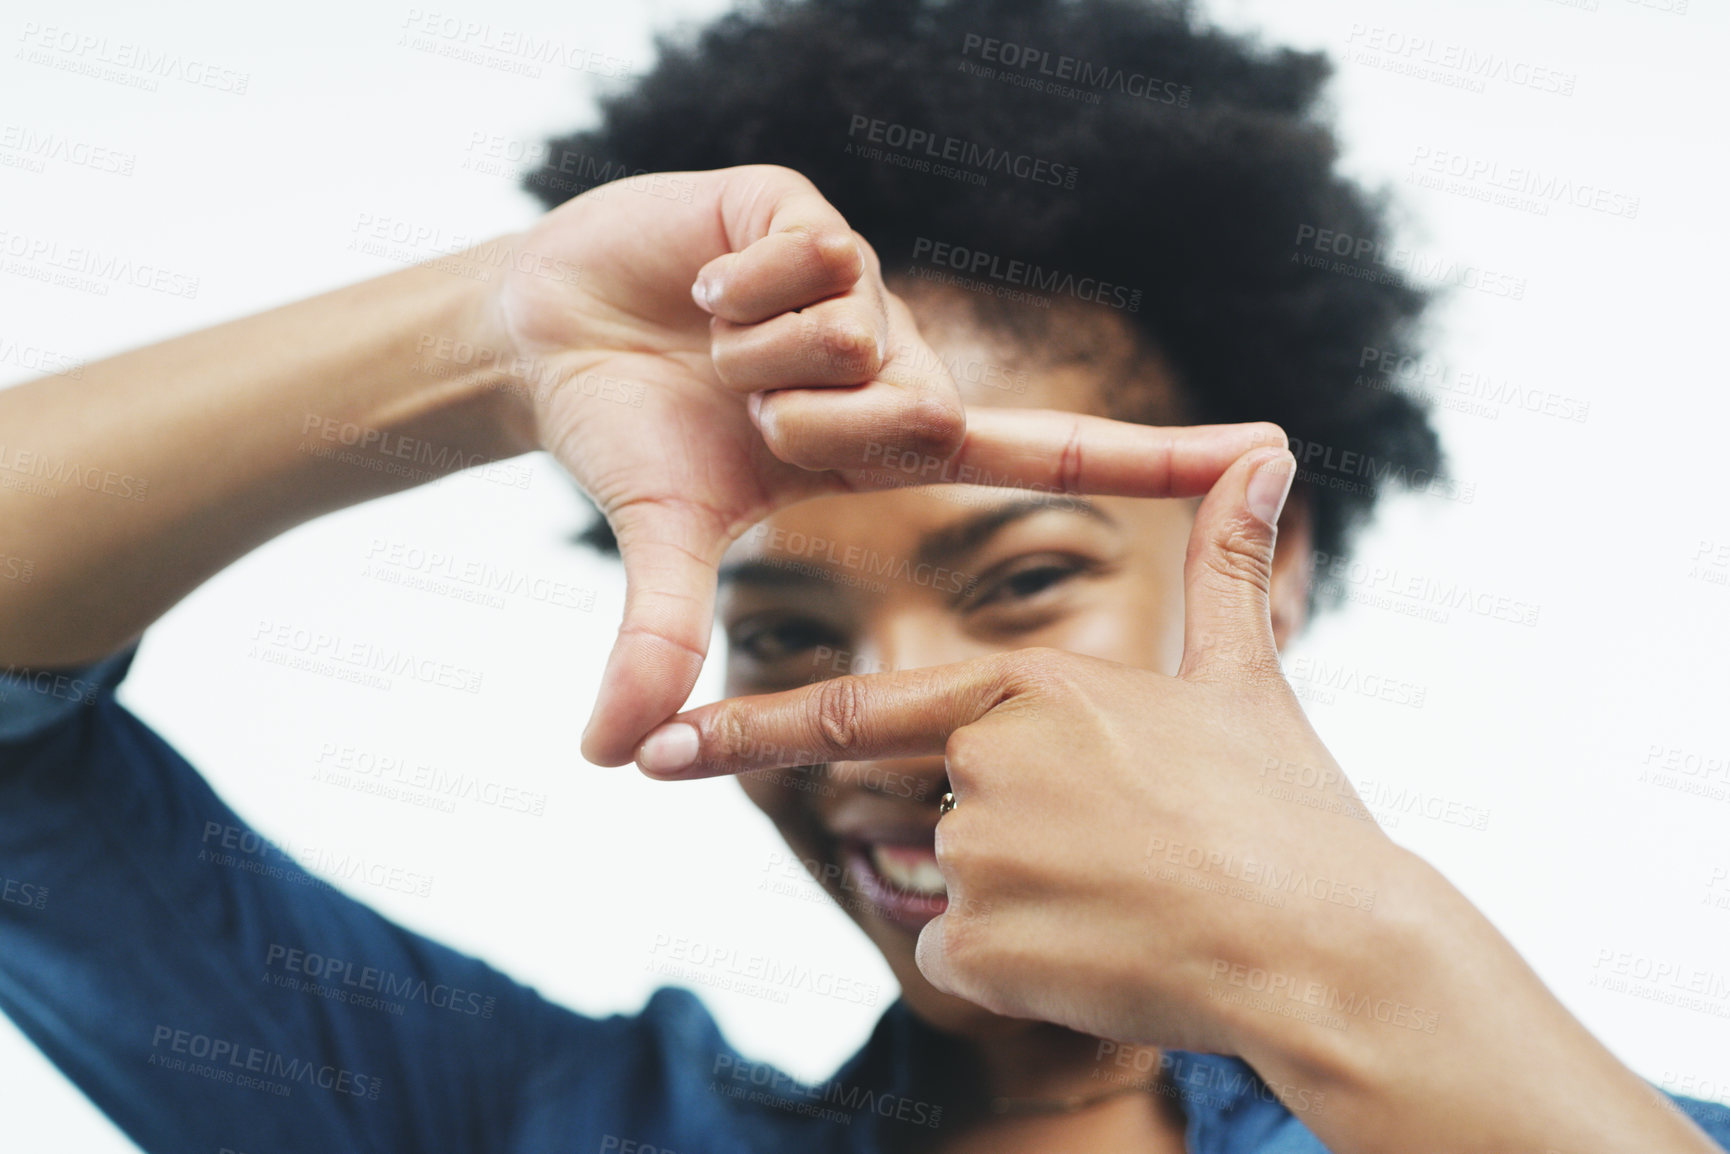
<point x="1597" y="523"/>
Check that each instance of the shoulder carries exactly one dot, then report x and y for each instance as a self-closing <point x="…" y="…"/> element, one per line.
<point x="1712" y="1117"/>
<point x="35" y="703"/>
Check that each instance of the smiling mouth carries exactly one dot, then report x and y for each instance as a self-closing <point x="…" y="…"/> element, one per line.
<point x="899" y="879"/>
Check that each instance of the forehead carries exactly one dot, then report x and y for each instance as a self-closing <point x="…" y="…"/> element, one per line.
<point x="932" y="525"/>
<point x="1074" y="357"/>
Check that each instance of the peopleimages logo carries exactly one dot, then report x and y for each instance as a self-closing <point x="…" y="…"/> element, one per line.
<point x="33" y="149"/>
<point x="1330" y="999"/>
<point x="1451" y="63"/>
<point x="780" y="1090"/>
<point x="787" y="547"/>
<point x="1437" y="167"/>
<point x="50" y="472"/>
<point x="1366" y="258"/>
<point x="134" y="65"/>
<point x="981" y="158"/>
<point x="1055" y="282"/>
<point x="88" y="269"/>
<point x="225" y="1059"/>
<point x="20" y="893"/>
<point x="758" y="975"/>
<point x="323" y="973"/>
<point x="1081" y="73"/>
<point x="1467" y="390"/>
<point x="1319" y="463"/>
<point x="1256" y="874"/>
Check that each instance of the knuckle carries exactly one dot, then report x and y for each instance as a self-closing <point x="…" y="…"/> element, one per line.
<point x="950" y="847"/>
<point x="838" y="707"/>
<point x="842" y="253"/>
<point x="727" y="738"/>
<point x="931" y="954"/>
<point x="966" y="948"/>
<point x="867" y="253"/>
<point x="1241" y="554"/>
<point x="932" y="424"/>
<point x="971" y="860"/>
<point x="1043" y="669"/>
<point x="827" y="256"/>
<point x="789" y="438"/>
<point x="730" y="366"/>
<point x="798" y="251"/>
<point x="848" y="345"/>
<point x="961" y="750"/>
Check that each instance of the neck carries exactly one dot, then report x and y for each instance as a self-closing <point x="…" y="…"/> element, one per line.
<point x="1051" y="1062"/>
<point x="1054" y="1088"/>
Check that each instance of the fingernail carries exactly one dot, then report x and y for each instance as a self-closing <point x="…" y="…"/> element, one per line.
<point x="701" y="292"/>
<point x="763" y="418"/>
<point x="668" y="749"/>
<point x="1268" y="487"/>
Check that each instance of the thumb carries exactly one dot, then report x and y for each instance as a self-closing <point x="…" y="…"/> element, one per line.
<point x="1227" y="572"/>
<point x="670" y="552"/>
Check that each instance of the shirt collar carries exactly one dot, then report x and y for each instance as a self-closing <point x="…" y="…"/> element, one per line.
<point x="913" y="1059"/>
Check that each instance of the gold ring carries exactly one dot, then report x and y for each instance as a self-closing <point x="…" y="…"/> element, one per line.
<point x="945" y="804"/>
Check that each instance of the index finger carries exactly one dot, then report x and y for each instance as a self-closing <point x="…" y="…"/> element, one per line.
<point x="1056" y="451"/>
<point x="907" y="713"/>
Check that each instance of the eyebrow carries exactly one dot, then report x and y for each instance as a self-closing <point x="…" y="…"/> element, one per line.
<point x="952" y="542"/>
<point x="939" y="548"/>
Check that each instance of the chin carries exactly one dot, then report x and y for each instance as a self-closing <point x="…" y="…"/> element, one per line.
<point x="943" y="1012"/>
<point x="878" y="864"/>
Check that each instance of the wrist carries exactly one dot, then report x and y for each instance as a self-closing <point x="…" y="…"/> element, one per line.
<point x="1449" y="1039"/>
<point x="463" y="356"/>
<point x="1367" y="990"/>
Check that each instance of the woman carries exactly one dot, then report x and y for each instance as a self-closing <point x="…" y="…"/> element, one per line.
<point x="1128" y="894"/>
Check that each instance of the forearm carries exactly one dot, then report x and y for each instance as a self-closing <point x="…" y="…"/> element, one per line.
<point x="125" y="490"/>
<point x="1483" y="1058"/>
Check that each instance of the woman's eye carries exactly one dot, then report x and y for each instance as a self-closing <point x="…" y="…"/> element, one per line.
<point x="778" y="642"/>
<point x="1024" y="584"/>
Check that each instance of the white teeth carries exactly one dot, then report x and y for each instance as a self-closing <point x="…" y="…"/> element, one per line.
<point x="920" y="876"/>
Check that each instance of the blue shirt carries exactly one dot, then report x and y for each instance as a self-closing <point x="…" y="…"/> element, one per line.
<point x="209" y="994"/>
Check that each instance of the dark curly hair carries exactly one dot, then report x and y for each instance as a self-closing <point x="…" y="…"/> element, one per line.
<point x="1196" y="158"/>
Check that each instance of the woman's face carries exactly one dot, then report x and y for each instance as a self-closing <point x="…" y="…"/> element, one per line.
<point x="912" y="577"/>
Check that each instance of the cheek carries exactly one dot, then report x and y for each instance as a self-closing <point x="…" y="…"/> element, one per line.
<point x="769" y="793"/>
<point x="1105" y="636"/>
<point x="1099" y="634"/>
<point x="1137" y="622"/>
<point x="789" y="810"/>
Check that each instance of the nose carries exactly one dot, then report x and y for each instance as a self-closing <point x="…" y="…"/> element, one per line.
<point x="892" y="643"/>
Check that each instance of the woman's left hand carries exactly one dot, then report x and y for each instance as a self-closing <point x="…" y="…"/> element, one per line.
<point x="1124" y="844"/>
<point x="1179" y="861"/>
